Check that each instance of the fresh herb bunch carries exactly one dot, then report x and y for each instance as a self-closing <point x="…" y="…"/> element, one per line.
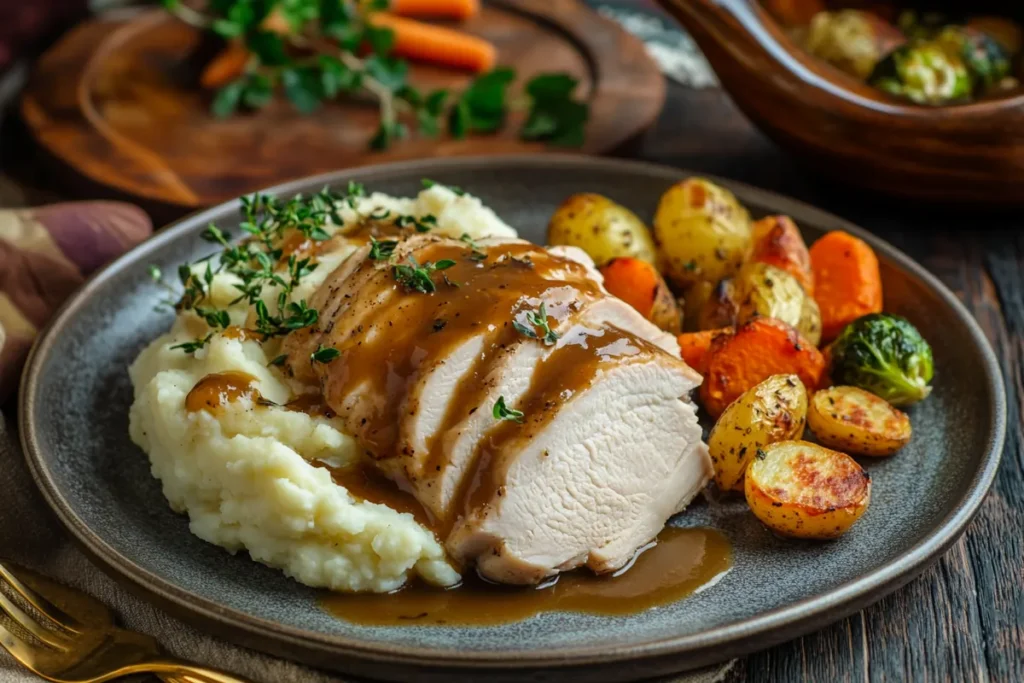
<point x="310" y="50"/>
<point x="259" y="263"/>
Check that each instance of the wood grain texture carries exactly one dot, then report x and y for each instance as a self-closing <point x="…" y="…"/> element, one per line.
<point x="965" y="153"/>
<point x="115" y="101"/>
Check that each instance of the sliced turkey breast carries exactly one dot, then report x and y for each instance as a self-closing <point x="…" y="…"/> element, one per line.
<point x="445" y="346"/>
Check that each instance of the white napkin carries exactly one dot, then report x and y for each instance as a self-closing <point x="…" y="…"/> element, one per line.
<point x="31" y="537"/>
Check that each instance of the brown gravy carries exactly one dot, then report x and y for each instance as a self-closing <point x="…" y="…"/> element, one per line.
<point x="366" y="482"/>
<point x="213" y="391"/>
<point x="682" y="562"/>
<point x="393" y="336"/>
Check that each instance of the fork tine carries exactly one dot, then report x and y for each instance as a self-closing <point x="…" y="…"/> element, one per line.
<point x="38" y="602"/>
<point x="48" y="636"/>
<point x="18" y="648"/>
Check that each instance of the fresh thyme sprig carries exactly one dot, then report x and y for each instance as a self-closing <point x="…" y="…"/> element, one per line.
<point x="381" y="250"/>
<point x="257" y="262"/>
<point x="503" y="412"/>
<point x="477" y="254"/>
<point x="324" y="354"/>
<point x="416" y="277"/>
<point x="539" y="319"/>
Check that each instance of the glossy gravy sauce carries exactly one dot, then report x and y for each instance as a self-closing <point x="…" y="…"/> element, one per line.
<point x="392" y="336"/>
<point x="681" y="563"/>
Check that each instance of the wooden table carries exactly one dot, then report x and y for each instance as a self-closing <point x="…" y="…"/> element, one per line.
<point x="963" y="620"/>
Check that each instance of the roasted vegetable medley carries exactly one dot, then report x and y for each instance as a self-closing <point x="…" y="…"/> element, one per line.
<point x="928" y="58"/>
<point x="787" y="337"/>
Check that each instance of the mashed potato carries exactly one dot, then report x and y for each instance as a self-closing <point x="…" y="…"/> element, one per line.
<point x="246" y="474"/>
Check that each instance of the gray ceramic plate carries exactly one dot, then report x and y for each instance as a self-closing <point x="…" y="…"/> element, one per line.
<point x="75" y="428"/>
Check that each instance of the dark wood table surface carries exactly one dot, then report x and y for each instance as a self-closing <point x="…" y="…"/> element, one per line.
<point x="963" y="619"/>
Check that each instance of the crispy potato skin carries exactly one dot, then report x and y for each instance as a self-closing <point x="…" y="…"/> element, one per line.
<point x="762" y="290"/>
<point x="777" y="242"/>
<point x="602" y="228"/>
<point x="803" y="490"/>
<point x="857" y="421"/>
<point x="720" y="308"/>
<point x="774" y="410"/>
<point x="702" y="232"/>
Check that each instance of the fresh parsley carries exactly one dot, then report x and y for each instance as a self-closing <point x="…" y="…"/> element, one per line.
<point x="503" y="412"/>
<point x="312" y="51"/>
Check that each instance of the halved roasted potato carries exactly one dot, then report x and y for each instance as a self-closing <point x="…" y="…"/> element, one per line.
<point x="774" y="410"/>
<point x="804" y="490"/>
<point x="702" y="232"/>
<point x="762" y="290"/>
<point x="602" y="228"/>
<point x="857" y="421"/>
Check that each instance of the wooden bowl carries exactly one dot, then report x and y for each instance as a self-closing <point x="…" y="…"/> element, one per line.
<point x="968" y="153"/>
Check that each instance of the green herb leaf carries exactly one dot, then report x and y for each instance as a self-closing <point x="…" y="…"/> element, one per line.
<point x="428" y="183"/>
<point x="226" y="101"/>
<point x="279" y="360"/>
<point x="258" y="91"/>
<point x="268" y="48"/>
<point x="302" y="88"/>
<point x="481" y="108"/>
<point x="539" y="320"/>
<point x="381" y="40"/>
<point x="387" y="132"/>
<point x="381" y="250"/>
<point x="324" y="354"/>
<point x="154" y="273"/>
<point x="387" y="71"/>
<point x="193" y="346"/>
<point x="503" y="412"/>
<point x="554" y="116"/>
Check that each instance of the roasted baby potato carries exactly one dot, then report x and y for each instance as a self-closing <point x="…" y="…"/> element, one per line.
<point x="702" y="231"/>
<point x="774" y="410"/>
<point x="851" y="40"/>
<point x="765" y="291"/>
<point x="720" y="308"/>
<point x="778" y="242"/>
<point x="639" y="284"/>
<point x="803" y="490"/>
<point x="857" y="421"/>
<point x="602" y="228"/>
<point x="694" y="299"/>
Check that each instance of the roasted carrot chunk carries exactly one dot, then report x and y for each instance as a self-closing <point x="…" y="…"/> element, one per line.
<point x="450" y="9"/>
<point x="757" y="350"/>
<point x="694" y="347"/>
<point x="847" y="281"/>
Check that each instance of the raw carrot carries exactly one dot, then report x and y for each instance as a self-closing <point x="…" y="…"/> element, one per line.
<point x="634" y="281"/>
<point x="777" y="242"/>
<point x="225" y="67"/>
<point x="694" y="347"/>
<point x="449" y="9"/>
<point x="847" y="282"/>
<point x="757" y="350"/>
<point x="437" y="44"/>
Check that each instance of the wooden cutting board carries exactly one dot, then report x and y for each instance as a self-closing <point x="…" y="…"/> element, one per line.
<point x="113" y="103"/>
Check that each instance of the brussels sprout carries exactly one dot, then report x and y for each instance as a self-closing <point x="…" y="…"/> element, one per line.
<point x="851" y="40"/>
<point x="986" y="61"/>
<point x="924" y="72"/>
<point x="885" y="355"/>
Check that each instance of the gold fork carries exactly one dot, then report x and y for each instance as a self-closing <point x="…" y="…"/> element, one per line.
<point x="67" y="636"/>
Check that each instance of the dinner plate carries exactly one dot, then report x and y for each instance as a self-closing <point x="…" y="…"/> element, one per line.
<point x="74" y="424"/>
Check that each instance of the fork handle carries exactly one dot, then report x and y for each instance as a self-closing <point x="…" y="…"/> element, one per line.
<point x="171" y="668"/>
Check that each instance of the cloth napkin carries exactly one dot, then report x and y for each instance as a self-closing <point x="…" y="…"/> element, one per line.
<point x="45" y="254"/>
